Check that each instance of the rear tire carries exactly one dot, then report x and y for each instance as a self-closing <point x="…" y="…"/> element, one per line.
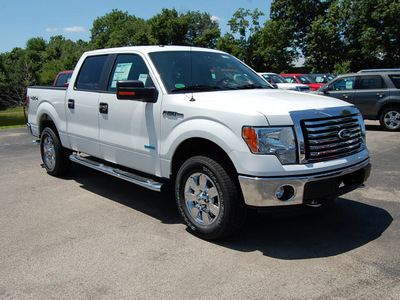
<point x="390" y="119"/>
<point x="208" y="198"/>
<point x="54" y="156"/>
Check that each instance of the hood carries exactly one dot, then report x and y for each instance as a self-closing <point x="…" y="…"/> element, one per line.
<point x="274" y="104"/>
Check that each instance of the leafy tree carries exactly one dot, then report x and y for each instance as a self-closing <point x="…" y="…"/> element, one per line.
<point x="298" y="15"/>
<point x="246" y="26"/>
<point x="60" y="55"/>
<point x="276" y="51"/>
<point x="16" y="74"/>
<point x="202" y="30"/>
<point x="325" y="43"/>
<point x="117" y="29"/>
<point x="169" y="28"/>
<point x="191" y="28"/>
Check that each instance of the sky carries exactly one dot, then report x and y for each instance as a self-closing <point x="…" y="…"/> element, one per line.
<point x="21" y="20"/>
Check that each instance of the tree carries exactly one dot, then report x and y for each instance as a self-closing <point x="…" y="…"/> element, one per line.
<point x="299" y="15"/>
<point x="191" y="28"/>
<point x="16" y="75"/>
<point x="202" y="30"/>
<point x="325" y="42"/>
<point x="60" y="55"/>
<point x="276" y="51"/>
<point x="117" y="29"/>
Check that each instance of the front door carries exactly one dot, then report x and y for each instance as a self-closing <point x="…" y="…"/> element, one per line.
<point x="343" y="89"/>
<point x="128" y="128"/>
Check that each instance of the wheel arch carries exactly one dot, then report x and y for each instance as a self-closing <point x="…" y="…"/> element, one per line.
<point x="386" y="105"/>
<point x="199" y="146"/>
<point x="46" y="121"/>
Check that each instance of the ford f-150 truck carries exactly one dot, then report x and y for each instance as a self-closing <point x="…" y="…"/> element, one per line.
<point x="204" y="123"/>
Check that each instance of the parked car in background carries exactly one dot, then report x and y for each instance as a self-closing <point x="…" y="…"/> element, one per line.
<point x="281" y="83"/>
<point x="322" y="78"/>
<point x="303" y="79"/>
<point x="376" y="93"/>
<point x="63" y="78"/>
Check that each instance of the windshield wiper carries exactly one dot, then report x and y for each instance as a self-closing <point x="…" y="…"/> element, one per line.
<point x="198" y="87"/>
<point x="250" y="86"/>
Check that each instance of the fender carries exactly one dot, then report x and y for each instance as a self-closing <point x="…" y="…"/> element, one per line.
<point x="55" y="112"/>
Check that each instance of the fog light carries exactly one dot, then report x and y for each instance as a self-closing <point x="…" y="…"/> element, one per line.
<point x="285" y="193"/>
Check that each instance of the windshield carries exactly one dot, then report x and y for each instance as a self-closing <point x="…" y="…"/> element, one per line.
<point x="210" y="71"/>
<point x="274" y="78"/>
<point x="305" y="79"/>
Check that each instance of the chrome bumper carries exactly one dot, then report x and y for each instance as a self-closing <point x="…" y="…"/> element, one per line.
<point x="311" y="189"/>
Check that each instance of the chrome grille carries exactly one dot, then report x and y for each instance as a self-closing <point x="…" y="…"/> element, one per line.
<point x="332" y="137"/>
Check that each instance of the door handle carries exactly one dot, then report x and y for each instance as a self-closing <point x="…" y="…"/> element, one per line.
<point x="380" y="95"/>
<point x="345" y="96"/>
<point x="103" y="108"/>
<point x="71" y="103"/>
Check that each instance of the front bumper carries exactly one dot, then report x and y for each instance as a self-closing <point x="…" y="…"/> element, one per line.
<point x="310" y="189"/>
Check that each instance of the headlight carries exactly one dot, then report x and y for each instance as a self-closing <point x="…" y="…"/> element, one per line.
<point x="278" y="141"/>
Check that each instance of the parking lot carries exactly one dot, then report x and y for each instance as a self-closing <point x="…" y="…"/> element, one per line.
<point x="92" y="236"/>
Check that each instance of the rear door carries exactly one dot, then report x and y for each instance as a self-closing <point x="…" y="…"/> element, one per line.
<point x="370" y="91"/>
<point x="82" y="111"/>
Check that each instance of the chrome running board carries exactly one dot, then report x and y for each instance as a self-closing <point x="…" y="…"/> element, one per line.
<point x="133" y="178"/>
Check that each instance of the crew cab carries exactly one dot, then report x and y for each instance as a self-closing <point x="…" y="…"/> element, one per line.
<point x="204" y="124"/>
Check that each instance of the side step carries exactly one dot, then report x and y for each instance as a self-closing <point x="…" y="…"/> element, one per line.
<point x="133" y="178"/>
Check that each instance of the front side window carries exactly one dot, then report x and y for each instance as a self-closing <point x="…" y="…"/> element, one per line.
<point x="371" y="82"/>
<point x="90" y="73"/>
<point x="343" y="84"/>
<point x="129" y="67"/>
<point x="183" y="71"/>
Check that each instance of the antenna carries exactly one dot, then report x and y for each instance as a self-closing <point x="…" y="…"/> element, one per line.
<point x="191" y="72"/>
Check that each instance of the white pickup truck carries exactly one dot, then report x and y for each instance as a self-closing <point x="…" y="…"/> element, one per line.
<point x="204" y="123"/>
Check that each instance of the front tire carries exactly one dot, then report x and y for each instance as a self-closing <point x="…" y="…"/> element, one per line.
<point x="54" y="156"/>
<point x="208" y="198"/>
<point x="390" y="119"/>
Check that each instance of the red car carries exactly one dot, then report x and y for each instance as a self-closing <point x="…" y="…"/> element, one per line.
<point x="302" y="78"/>
<point x="63" y="78"/>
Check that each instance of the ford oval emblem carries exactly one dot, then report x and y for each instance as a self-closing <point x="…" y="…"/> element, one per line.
<point x="344" y="134"/>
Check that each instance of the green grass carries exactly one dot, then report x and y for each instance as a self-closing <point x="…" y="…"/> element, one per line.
<point x="12" y="118"/>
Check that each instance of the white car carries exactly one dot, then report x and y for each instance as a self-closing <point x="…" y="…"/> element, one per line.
<point x="281" y="83"/>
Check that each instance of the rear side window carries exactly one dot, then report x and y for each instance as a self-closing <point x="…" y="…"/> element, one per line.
<point x="90" y="74"/>
<point x="371" y="82"/>
<point x="396" y="80"/>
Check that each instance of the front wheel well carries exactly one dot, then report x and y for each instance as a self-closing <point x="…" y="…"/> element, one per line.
<point x="199" y="146"/>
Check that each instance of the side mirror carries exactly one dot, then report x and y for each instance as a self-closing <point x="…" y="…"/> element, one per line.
<point x="135" y="90"/>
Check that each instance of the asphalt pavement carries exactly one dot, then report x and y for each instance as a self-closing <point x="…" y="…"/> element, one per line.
<point x="92" y="236"/>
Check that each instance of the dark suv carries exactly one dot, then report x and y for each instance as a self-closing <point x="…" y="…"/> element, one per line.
<point x="376" y="93"/>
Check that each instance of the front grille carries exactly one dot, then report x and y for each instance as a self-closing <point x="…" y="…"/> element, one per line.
<point x="332" y="137"/>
